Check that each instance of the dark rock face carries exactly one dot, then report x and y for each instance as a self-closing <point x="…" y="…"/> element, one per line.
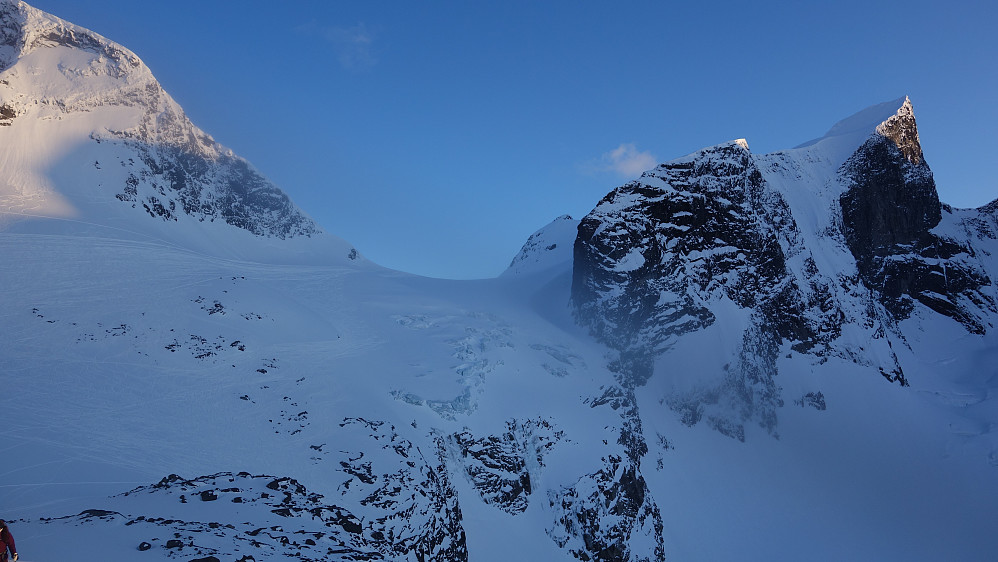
<point x="180" y="170"/>
<point x="902" y="131"/>
<point x="499" y="465"/>
<point x="171" y="181"/>
<point x="984" y="223"/>
<point x="7" y="114"/>
<point x="815" y="400"/>
<point x="11" y="33"/>
<point x="604" y="511"/>
<point x="888" y="211"/>
<point x="498" y="470"/>
<point x="891" y="201"/>
<point x="416" y="506"/>
<point x="654" y="252"/>
<point x="658" y="257"/>
<point x="410" y="512"/>
<point x="610" y="514"/>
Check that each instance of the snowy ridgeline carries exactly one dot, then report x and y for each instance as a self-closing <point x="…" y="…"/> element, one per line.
<point x="384" y="416"/>
<point x="770" y="357"/>
<point x="94" y="144"/>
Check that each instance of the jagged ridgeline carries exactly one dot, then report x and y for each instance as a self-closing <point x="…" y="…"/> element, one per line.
<point x="805" y="251"/>
<point x="188" y="376"/>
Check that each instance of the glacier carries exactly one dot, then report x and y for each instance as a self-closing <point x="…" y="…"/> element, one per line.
<point x="193" y="369"/>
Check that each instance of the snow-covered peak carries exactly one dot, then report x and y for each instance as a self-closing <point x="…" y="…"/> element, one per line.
<point x="95" y="146"/>
<point x="868" y="120"/>
<point x="549" y="247"/>
<point x="26" y="29"/>
<point x="846" y="136"/>
<point x="406" y="418"/>
<point x="55" y="64"/>
<point x="901" y="129"/>
<point x="62" y="62"/>
<point x="729" y="147"/>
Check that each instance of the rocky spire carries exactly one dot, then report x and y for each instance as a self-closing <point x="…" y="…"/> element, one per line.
<point x="889" y="210"/>
<point x="901" y="129"/>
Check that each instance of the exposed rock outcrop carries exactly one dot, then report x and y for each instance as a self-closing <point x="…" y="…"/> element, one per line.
<point x="713" y="233"/>
<point x="888" y="213"/>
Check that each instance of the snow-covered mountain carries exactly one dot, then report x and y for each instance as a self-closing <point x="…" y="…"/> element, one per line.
<point x="836" y="248"/>
<point x="91" y="137"/>
<point x="737" y="356"/>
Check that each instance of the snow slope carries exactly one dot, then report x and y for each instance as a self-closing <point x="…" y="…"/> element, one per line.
<point x="119" y="369"/>
<point x="95" y="145"/>
<point x="130" y="362"/>
<point x="241" y="385"/>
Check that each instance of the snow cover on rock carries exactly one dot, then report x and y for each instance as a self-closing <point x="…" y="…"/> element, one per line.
<point x="187" y="386"/>
<point x="725" y="278"/>
<point x="546" y="249"/>
<point x="93" y="142"/>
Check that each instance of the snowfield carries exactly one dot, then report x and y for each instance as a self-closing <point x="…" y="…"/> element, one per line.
<point x="193" y="370"/>
<point x="126" y="362"/>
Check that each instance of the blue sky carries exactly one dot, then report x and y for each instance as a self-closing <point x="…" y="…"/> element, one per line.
<point x="437" y="136"/>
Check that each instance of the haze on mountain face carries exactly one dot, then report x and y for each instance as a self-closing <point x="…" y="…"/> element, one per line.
<point x="735" y="356"/>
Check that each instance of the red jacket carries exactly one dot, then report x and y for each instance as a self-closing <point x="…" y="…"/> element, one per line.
<point x="6" y="541"/>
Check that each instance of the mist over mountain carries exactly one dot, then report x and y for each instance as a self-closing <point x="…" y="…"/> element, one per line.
<point x="735" y="356"/>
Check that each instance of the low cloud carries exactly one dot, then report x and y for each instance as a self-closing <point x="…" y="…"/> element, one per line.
<point x="354" y="45"/>
<point x="627" y="161"/>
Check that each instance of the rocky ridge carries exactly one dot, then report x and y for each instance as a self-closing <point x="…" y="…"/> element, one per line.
<point x="704" y="268"/>
<point x="889" y="210"/>
<point x="715" y="231"/>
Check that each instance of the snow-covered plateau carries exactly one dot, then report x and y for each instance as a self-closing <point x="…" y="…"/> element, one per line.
<point x="789" y="356"/>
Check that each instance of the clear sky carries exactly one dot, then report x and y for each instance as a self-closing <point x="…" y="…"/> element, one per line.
<point x="437" y="136"/>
